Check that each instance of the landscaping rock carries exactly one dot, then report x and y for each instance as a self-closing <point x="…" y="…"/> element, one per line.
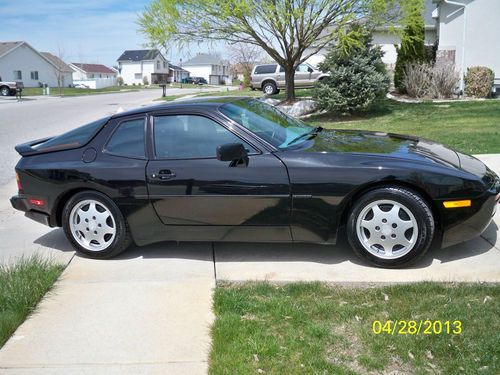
<point x="271" y="101"/>
<point x="300" y="108"/>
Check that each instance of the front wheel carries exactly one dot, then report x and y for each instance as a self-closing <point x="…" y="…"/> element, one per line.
<point x="390" y="227"/>
<point x="95" y="226"/>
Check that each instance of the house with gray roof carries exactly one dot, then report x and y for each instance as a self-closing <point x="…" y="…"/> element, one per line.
<point x="211" y="67"/>
<point x="20" y="62"/>
<point x="136" y="65"/>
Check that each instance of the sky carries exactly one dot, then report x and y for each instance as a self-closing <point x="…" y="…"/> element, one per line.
<point x="86" y="31"/>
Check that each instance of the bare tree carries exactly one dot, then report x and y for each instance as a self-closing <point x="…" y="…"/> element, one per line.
<point x="245" y="56"/>
<point x="59" y="67"/>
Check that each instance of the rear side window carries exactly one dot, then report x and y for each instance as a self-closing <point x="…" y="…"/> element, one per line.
<point x="128" y="139"/>
<point x="265" y="69"/>
<point x="74" y="138"/>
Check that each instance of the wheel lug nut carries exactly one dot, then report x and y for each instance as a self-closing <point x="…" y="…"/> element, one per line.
<point x="99" y="225"/>
<point x="95" y="232"/>
<point x="383" y="237"/>
<point x="87" y="229"/>
<point x="93" y="217"/>
<point x="377" y="228"/>
<point x="393" y="235"/>
<point x="384" y="220"/>
<point x="394" y="225"/>
<point x="86" y="220"/>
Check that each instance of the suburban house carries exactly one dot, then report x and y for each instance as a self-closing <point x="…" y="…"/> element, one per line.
<point x="467" y="34"/>
<point x="211" y="67"/>
<point x="464" y="31"/>
<point x="134" y="65"/>
<point x="94" y="76"/>
<point x="20" y="62"/>
<point x="177" y="73"/>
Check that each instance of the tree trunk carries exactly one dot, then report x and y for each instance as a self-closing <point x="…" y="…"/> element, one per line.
<point x="289" y="84"/>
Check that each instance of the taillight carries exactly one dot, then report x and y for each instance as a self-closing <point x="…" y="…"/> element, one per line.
<point x="37" y="202"/>
<point x="19" y="187"/>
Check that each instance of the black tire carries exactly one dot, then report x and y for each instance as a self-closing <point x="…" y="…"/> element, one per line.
<point x="5" y="91"/>
<point x="410" y="200"/>
<point x="270" y="88"/>
<point x="122" y="238"/>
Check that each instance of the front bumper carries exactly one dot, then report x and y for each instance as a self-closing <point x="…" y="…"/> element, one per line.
<point x="22" y="204"/>
<point x="461" y="225"/>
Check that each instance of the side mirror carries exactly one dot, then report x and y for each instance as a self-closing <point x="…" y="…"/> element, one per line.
<point x="233" y="152"/>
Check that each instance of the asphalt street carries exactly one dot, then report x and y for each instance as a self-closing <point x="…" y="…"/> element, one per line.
<point x="31" y="119"/>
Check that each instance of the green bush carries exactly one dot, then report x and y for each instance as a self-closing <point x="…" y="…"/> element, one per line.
<point x="145" y="81"/>
<point x="357" y="78"/>
<point x="119" y="81"/>
<point x="412" y="48"/>
<point x="479" y="82"/>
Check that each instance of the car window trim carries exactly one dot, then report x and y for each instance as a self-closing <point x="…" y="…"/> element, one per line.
<point x="191" y="113"/>
<point x="117" y="126"/>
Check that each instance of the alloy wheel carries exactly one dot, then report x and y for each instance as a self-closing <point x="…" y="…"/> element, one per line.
<point x="92" y="225"/>
<point x="387" y="229"/>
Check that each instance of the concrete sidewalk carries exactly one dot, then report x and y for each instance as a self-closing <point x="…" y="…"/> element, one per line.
<point x="144" y="313"/>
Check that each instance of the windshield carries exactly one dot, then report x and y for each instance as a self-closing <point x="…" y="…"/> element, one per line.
<point x="266" y="121"/>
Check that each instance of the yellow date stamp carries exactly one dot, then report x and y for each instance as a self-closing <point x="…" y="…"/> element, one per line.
<point x="417" y="327"/>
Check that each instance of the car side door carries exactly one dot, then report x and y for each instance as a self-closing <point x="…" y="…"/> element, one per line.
<point x="199" y="197"/>
<point x="303" y="75"/>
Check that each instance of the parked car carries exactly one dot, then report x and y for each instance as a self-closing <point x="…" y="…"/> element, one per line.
<point x="81" y="86"/>
<point x="187" y="80"/>
<point x="199" y="81"/>
<point x="9" y="88"/>
<point x="270" y="78"/>
<point x="237" y="169"/>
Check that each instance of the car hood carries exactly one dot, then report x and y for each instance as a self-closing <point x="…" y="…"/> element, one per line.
<point x="394" y="145"/>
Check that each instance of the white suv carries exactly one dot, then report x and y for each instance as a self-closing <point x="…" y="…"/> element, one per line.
<point x="270" y="78"/>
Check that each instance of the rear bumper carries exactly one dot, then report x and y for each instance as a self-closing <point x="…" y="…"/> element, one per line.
<point x="21" y="203"/>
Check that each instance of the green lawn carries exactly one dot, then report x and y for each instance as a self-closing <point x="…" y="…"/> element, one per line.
<point x="71" y="91"/>
<point x="471" y="127"/>
<point x="22" y="286"/>
<point x="310" y="328"/>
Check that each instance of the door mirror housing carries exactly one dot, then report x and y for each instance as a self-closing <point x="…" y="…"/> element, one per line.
<point x="233" y="152"/>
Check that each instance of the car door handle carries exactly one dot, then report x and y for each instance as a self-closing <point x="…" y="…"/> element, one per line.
<point x="164" y="174"/>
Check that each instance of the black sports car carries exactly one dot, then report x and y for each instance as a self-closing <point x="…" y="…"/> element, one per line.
<point x="237" y="169"/>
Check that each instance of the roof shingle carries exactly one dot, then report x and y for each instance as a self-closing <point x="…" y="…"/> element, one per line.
<point x="139" y="55"/>
<point x="94" y="68"/>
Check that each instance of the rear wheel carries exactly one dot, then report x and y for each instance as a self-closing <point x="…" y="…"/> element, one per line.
<point x="95" y="226"/>
<point x="270" y="88"/>
<point x="4" y="91"/>
<point x="390" y="227"/>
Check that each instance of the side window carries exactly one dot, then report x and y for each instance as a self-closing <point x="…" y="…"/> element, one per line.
<point x="282" y="69"/>
<point x="302" y="68"/>
<point x="191" y="136"/>
<point x="128" y="139"/>
<point x="265" y="69"/>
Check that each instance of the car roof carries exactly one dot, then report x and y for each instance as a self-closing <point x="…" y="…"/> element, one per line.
<point x="210" y="102"/>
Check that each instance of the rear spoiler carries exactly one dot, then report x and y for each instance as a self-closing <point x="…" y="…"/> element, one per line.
<point x="25" y="149"/>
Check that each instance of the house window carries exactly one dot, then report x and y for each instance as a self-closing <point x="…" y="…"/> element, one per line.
<point x="18" y="74"/>
<point x="137" y="76"/>
<point x="34" y="75"/>
<point x="158" y="64"/>
<point x="164" y="65"/>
